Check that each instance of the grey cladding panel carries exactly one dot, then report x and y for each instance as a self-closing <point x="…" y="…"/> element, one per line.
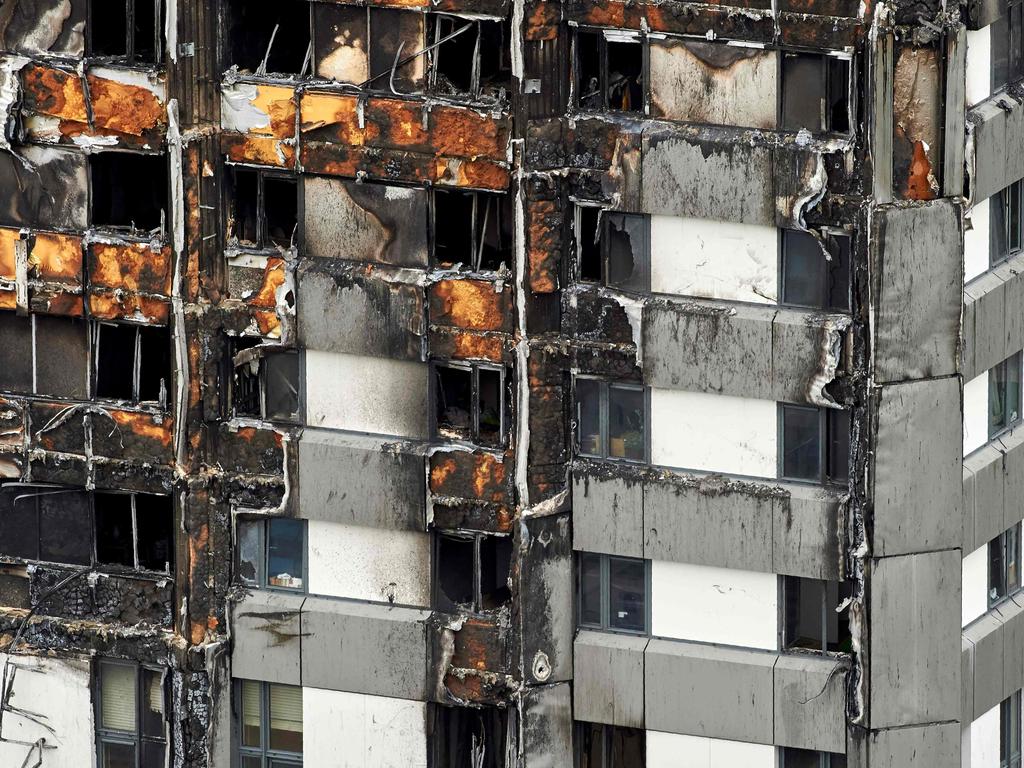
<point x="967" y="681"/>
<point x="919" y="273"/>
<point x="806" y="533"/>
<point x="607" y="515"/>
<point x="956" y="97"/>
<point x="998" y="129"/>
<point x="361" y="480"/>
<point x="1011" y="614"/>
<point x="986" y="634"/>
<point x="988" y="343"/>
<point x="934" y="746"/>
<point x="265" y="627"/>
<point x="608" y="678"/>
<point x="706" y="690"/>
<point x="989" y="484"/>
<point x="546" y="595"/>
<point x="44" y="26"/>
<point x="810" y="702"/>
<point x="918" y="467"/>
<point x="915" y="633"/>
<point x="547" y="726"/>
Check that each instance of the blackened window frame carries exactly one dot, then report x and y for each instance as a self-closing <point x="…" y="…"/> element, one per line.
<point x="434" y="34"/>
<point x="261" y="527"/>
<point x="1004" y="566"/>
<point x="625" y="37"/>
<point x="825" y="759"/>
<point x="477" y="235"/>
<point x="130" y="58"/>
<point x="264" y="355"/>
<point x="605" y="624"/>
<point x="604" y="405"/>
<point x="793" y="589"/>
<point x="1014" y="362"/>
<point x="828" y="59"/>
<point x="264" y="244"/>
<point x="603" y="246"/>
<point x="105" y="736"/>
<point x="474" y="368"/>
<point x="440" y="601"/>
<point x="829" y="423"/>
<point x="86" y="329"/>
<point x="95" y="339"/>
<point x="1010" y="731"/>
<point x="607" y="733"/>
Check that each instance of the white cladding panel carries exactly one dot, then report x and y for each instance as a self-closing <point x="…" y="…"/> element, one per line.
<point x="976" y="242"/>
<point x="714" y="605"/>
<point x="984" y="740"/>
<point x="974" y="585"/>
<point x="979" y="65"/>
<point x="674" y="750"/>
<point x="975" y="413"/>
<point x="714" y="433"/>
<point x="364" y="563"/>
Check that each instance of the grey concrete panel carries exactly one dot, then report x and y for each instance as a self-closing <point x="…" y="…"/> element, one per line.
<point x="936" y="746"/>
<point x="726" y="180"/>
<point x="608" y="678"/>
<point x="967" y="324"/>
<point x="706" y="690"/>
<point x="1011" y="614"/>
<point x="918" y="467"/>
<point x="1013" y="476"/>
<point x="607" y="515"/>
<point x="267" y="637"/>
<point x="988" y="294"/>
<point x="361" y="480"/>
<point x="915" y="632"/>
<point x="1014" y="154"/>
<point x="807" y="532"/>
<point x="953" y="136"/>
<point x="919" y="269"/>
<point x="368" y="648"/>
<point x="988" y="120"/>
<point x="967" y="681"/>
<point x="986" y="634"/>
<point x="340" y="311"/>
<point x="880" y="118"/>
<point x="968" y="507"/>
<point x="547" y="726"/>
<point x="714" y="521"/>
<point x="810" y="702"/>
<point x="1013" y="305"/>
<point x="806" y="350"/>
<point x="546" y="597"/>
<point x="989" y="484"/>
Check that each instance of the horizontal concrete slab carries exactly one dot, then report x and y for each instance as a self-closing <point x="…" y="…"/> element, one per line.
<point x="265" y="628"/>
<point x="993" y="327"/>
<point x="996" y="129"/>
<point x="993" y="656"/>
<point x="992" y="478"/>
<point x="608" y="678"/>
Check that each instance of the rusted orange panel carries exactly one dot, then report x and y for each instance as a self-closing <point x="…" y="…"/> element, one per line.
<point x="240" y="148"/>
<point x="277" y="102"/>
<point x="465" y="133"/>
<point x="383" y="164"/>
<point x="8" y="238"/>
<point x="478" y="174"/>
<point x="54" y="92"/>
<point x="57" y="257"/>
<point x="466" y="475"/>
<point x="268" y="323"/>
<point x="545" y="244"/>
<point x="542" y="19"/>
<point x="472" y="346"/>
<point x="335" y="117"/>
<point x="131" y="267"/>
<point x="134" y="435"/>
<point x="57" y="302"/>
<point x="248" y="450"/>
<point x="106" y="305"/>
<point x="144" y="425"/>
<point x="125" y="108"/>
<point x="479" y="646"/>
<point x="470" y="304"/>
<point x="273" y="278"/>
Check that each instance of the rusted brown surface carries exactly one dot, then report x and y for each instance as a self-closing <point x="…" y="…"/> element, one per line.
<point x="55" y="430"/>
<point x="57" y="257"/>
<point x="273" y="278"/>
<point x="462" y="474"/>
<point x="917" y="122"/>
<point x="480" y="645"/>
<point x="479" y="687"/>
<point x="8" y="239"/>
<point x="57" y="302"/>
<point x="133" y="435"/>
<point x="135" y="267"/>
<point x="118" y="305"/>
<point x="542" y="19"/>
<point x="459" y="345"/>
<point x="12" y="423"/>
<point x="545" y="241"/>
<point x="272" y="140"/>
<point x="250" y="450"/>
<point x="471" y="305"/>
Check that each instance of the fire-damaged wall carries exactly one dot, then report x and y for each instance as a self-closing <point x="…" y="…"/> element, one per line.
<point x="338" y="336"/>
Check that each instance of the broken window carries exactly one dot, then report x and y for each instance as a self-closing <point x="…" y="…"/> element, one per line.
<point x="1007" y="35"/>
<point x="612" y="592"/>
<point x="132" y="362"/>
<point x="264" y="208"/>
<point x="44" y="355"/>
<point x="816" y="615"/>
<point x="263" y="380"/>
<point x="597" y="745"/>
<point x="816" y="272"/>
<point x="272" y="552"/>
<point x="808" y="758"/>
<point x="71" y="526"/>
<point x="469" y="57"/>
<point x="613" y="249"/>
<point x="130" y="715"/>
<point x="470" y="737"/>
<point x="815" y="93"/>
<point x="1004" y="565"/>
<point x="814" y="444"/>
<point x="1004" y="395"/>
<point x="470" y="402"/>
<point x="609" y="70"/>
<point x="269" y="39"/>
<point x="1006" y="228"/>
<point x="611" y="419"/>
<point x="472" y="572"/>
<point x="1010" y="731"/>
<point x="129" y="189"/>
<point x="472" y="228"/>
<point x="269" y="718"/>
<point x="126" y="30"/>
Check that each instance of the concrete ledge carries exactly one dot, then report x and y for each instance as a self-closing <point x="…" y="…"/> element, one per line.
<point x="810" y="702"/>
<point x="995" y="127"/>
<point x="992" y="657"/>
<point x="993" y="325"/>
<point x="992" y="477"/>
<point x="265" y="628"/>
<point x="608" y="681"/>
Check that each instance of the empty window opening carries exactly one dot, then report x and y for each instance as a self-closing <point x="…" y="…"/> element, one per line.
<point x="126" y="30"/>
<point x="1006" y="225"/>
<point x="1004" y="395"/>
<point x="272" y="553"/>
<point x="608" y="746"/>
<point x="1007" y="35"/>
<point x="129" y="190"/>
<point x="132" y="362"/>
<point x="808" y="758"/>
<point x="816" y="272"/>
<point x="611" y="420"/>
<point x="612" y="592"/>
<point x="72" y="526"/>
<point x="613" y="248"/>
<point x="44" y="355"/>
<point x="814" y="444"/>
<point x="609" y="71"/>
<point x="1004" y="563"/>
<point x="130" y="716"/>
<point x="264" y="208"/>
<point x="813" y="620"/>
<point x="815" y="93"/>
<point x="263" y="380"/>
<point x="469" y="57"/>
<point x="269" y="39"/>
<point x="269" y="724"/>
<point x="472" y="228"/>
<point x="469" y="737"/>
<point x="470" y="403"/>
<point x="472" y="572"/>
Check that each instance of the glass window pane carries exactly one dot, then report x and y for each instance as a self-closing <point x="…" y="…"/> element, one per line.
<point x="838" y="445"/>
<point x="154" y="754"/>
<point x="999" y="247"/>
<point x="804" y="267"/>
<point x="65" y="527"/>
<point x="800" y="758"/>
<point x="627" y="587"/>
<point x="801" y="443"/>
<point x="627" y="250"/>
<point x="804" y="613"/>
<point x="996" y="588"/>
<point x="803" y="92"/>
<point x="626" y="423"/>
<point x="251" y="708"/>
<point x="628" y="747"/>
<point x="250" y="550"/>
<point x="285" y="555"/>
<point x="839" y="273"/>
<point x="249" y="761"/>
<point x="152" y="704"/>
<point x="1012" y="555"/>
<point x="1004" y="382"/>
<point x="489" y="415"/>
<point x="590" y="589"/>
<point x="19" y="520"/>
<point x="286" y="718"/>
<point x="1000" y="37"/>
<point x="117" y="696"/>
<point x="1014" y="213"/>
<point x="117" y="755"/>
<point x="282" y="382"/>
<point x="590" y="748"/>
<point x="588" y="416"/>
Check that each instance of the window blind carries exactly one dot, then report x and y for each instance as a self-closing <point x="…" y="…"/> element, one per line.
<point x="117" y="693"/>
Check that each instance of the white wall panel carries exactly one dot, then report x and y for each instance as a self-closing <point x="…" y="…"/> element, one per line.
<point x="364" y="563"/>
<point x="975" y="413"/>
<point x="714" y="259"/>
<point x="976" y="242"/>
<point x="366" y="394"/>
<point x="714" y="433"/>
<point x="353" y="730"/>
<point x="984" y="740"/>
<point x="674" y="750"/>
<point x="974" y="585"/>
<point x="714" y="605"/>
<point x="979" y="65"/>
